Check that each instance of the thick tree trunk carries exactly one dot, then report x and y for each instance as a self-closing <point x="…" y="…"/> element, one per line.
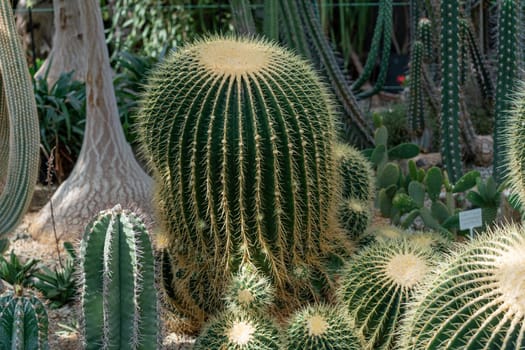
<point x="68" y="52"/>
<point x="106" y="172"/>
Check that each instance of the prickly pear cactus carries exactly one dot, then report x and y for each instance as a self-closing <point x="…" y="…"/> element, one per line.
<point x="321" y="327"/>
<point x="23" y="322"/>
<point x="239" y="331"/>
<point x="119" y="301"/>
<point x="476" y="300"/>
<point x="377" y="284"/>
<point x="240" y="134"/>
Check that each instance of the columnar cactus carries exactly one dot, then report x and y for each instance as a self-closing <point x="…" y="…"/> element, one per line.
<point x="240" y="134"/>
<point x="376" y="285"/>
<point x="19" y="133"/>
<point x="475" y="300"/>
<point x="416" y="117"/>
<point x="506" y="78"/>
<point x="321" y="327"/>
<point x="515" y="148"/>
<point x="239" y="331"/>
<point x="450" y="147"/>
<point x="119" y="302"/>
<point x="23" y="322"/>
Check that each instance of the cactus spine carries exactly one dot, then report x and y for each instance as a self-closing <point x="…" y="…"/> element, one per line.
<point x="321" y="327"/>
<point x="450" y="149"/>
<point x="239" y="331"/>
<point x="515" y="148"/>
<point x="23" y="322"/>
<point x="119" y="302"/>
<point x="377" y="284"/>
<point x="476" y="300"/>
<point x="240" y="135"/>
<point x="507" y="73"/>
<point x="19" y="132"/>
<point x="416" y="117"/>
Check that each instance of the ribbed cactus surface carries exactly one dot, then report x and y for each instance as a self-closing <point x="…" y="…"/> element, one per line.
<point x="23" y="323"/>
<point x="324" y="327"/>
<point x="377" y="284"/>
<point x="476" y="299"/>
<point x="19" y="133"/>
<point x="239" y="331"/>
<point x="240" y="135"/>
<point x="515" y="147"/>
<point x="356" y="172"/>
<point x="119" y="301"/>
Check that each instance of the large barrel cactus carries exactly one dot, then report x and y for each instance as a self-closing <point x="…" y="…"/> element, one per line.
<point x="477" y="299"/>
<point x="119" y="300"/>
<point x="377" y="284"/>
<point x="239" y="134"/>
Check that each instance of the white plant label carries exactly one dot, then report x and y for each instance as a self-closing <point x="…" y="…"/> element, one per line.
<point x="470" y="219"/>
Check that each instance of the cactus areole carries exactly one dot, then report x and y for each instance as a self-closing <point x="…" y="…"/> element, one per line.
<point x="239" y="134"/>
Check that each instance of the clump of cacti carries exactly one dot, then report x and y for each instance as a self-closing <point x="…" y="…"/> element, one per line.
<point x="321" y="326"/>
<point x="376" y="285"/>
<point x="475" y="300"/>
<point x="249" y="291"/>
<point x="23" y="322"/>
<point x="239" y="134"/>
<point x="239" y="330"/>
<point x="119" y="301"/>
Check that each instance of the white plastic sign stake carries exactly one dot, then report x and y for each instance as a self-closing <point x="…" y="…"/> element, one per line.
<point x="470" y="219"/>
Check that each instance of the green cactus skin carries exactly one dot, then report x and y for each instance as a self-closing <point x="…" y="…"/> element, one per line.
<point x="354" y="217"/>
<point x="239" y="331"/>
<point x="320" y="326"/>
<point x="450" y="147"/>
<point x="356" y="172"/>
<point x="416" y="117"/>
<point x="476" y="299"/>
<point x="424" y="27"/>
<point x="376" y="285"/>
<point x="119" y="301"/>
<point x="240" y="136"/>
<point x="23" y="323"/>
<point x="19" y="131"/>
<point x="249" y="291"/>
<point x="506" y="79"/>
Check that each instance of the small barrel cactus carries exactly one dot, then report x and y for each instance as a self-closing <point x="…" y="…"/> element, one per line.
<point x="23" y="322"/>
<point x="249" y="291"/>
<point x="240" y="134"/>
<point x="476" y="300"/>
<point x="321" y="326"/>
<point x="119" y="301"/>
<point x="380" y="233"/>
<point x="354" y="217"/>
<point x="356" y="172"/>
<point x="376" y="285"/>
<point x="239" y="331"/>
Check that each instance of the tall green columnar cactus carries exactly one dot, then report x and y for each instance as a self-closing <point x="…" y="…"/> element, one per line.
<point x="450" y="133"/>
<point x="23" y="322"/>
<point x="119" y="301"/>
<point x="476" y="299"/>
<point x="19" y="133"/>
<point x="377" y="284"/>
<point x="506" y="79"/>
<point x="240" y="136"/>
<point x="416" y="117"/>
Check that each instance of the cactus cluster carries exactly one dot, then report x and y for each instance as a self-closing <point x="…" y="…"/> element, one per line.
<point x="119" y="301"/>
<point x="240" y="135"/>
<point x="23" y="322"/>
<point x="377" y="284"/>
<point x="475" y="300"/>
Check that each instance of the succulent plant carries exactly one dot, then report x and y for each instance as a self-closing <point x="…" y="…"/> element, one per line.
<point x="356" y="172"/>
<point x="475" y="300"/>
<point x="354" y="216"/>
<point x="23" y="322"/>
<point x="119" y="301"/>
<point x="240" y="136"/>
<point x="239" y="331"/>
<point x="19" y="133"/>
<point x="249" y="291"/>
<point x="377" y="284"/>
<point x="320" y="326"/>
